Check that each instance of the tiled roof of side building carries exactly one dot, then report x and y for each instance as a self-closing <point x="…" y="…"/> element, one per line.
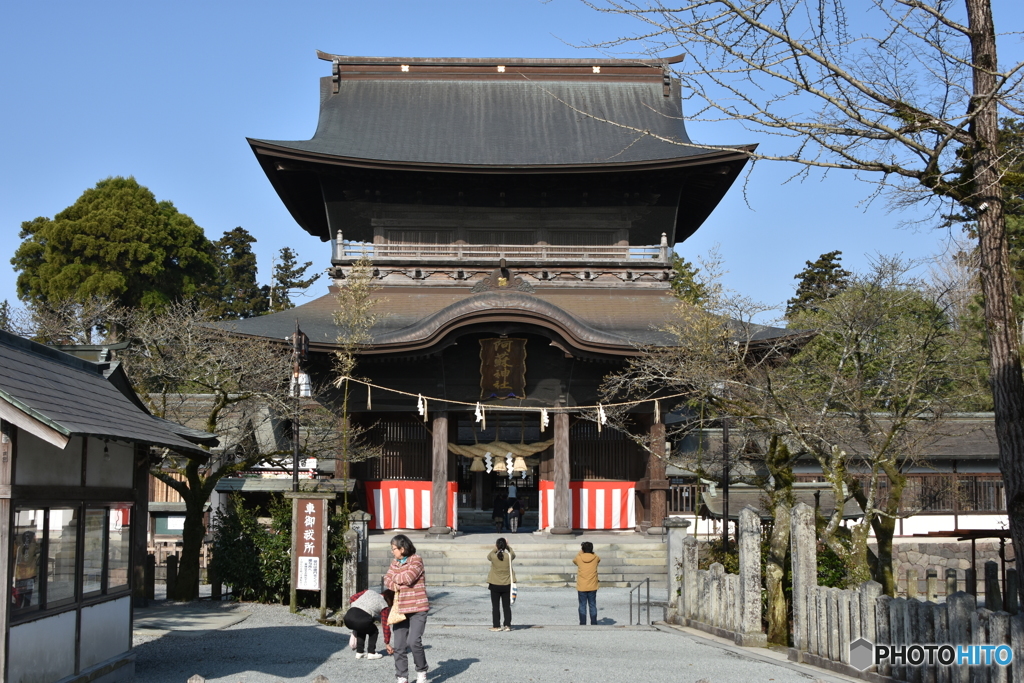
<point x="72" y="396"/>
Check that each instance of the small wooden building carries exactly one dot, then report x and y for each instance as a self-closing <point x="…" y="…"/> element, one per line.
<point x="520" y="216"/>
<point x="74" y="462"/>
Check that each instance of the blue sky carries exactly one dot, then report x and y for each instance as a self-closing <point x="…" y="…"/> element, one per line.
<point x="169" y="91"/>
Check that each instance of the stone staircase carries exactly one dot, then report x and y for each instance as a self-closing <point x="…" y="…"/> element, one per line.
<point x="541" y="560"/>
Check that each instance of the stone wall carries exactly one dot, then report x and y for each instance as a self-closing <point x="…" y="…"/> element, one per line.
<point x="940" y="556"/>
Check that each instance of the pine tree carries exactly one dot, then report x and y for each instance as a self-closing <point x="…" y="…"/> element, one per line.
<point x="288" y="276"/>
<point x="819" y="282"/>
<point x="235" y="294"/>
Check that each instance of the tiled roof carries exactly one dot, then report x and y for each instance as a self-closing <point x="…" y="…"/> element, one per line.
<point x="73" y="397"/>
<point x="613" y="318"/>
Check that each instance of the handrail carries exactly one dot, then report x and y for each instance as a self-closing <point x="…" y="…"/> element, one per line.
<point x="351" y="251"/>
<point x="646" y="581"/>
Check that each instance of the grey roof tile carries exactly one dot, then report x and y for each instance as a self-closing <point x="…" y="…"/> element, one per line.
<point x="72" y="396"/>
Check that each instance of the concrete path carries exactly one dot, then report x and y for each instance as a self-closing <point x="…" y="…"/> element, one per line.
<point x="190" y="620"/>
<point x="269" y="644"/>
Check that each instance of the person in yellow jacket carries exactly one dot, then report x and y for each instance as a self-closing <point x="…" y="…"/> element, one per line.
<point x="586" y="581"/>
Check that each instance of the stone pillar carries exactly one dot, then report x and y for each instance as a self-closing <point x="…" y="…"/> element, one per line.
<point x="1011" y="604"/>
<point x="912" y="583"/>
<point x="898" y="620"/>
<point x="359" y="521"/>
<point x="855" y="619"/>
<point x="960" y="606"/>
<point x="1017" y="644"/>
<point x="993" y="596"/>
<point x="689" y="584"/>
<point x="750" y="632"/>
<point x="931" y="583"/>
<point x="950" y="581"/>
<point x="716" y="593"/>
<point x="913" y="631"/>
<point x="882" y="604"/>
<point x="804" y="553"/>
<point x="821" y="604"/>
<point x="561" y="522"/>
<point x="843" y="624"/>
<point x="809" y="602"/>
<point x="439" y="477"/>
<point x="869" y="592"/>
<point x="676" y="527"/>
<point x="940" y="625"/>
<point x="656" y="481"/>
<point x="999" y="634"/>
<point x="925" y="633"/>
<point x="980" y="619"/>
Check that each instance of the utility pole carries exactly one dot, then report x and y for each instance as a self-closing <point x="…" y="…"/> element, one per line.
<point x="300" y="349"/>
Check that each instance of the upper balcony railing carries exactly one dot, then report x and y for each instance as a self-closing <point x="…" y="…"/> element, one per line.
<point x="346" y="251"/>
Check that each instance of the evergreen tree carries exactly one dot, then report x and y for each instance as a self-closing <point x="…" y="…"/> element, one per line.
<point x="686" y="286"/>
<point x="819" y="282"/>
<point x="116" y="241"/>
<point x="288" y="276"/>
<point x="6" y="321"/>
<point x="234" y="293"/>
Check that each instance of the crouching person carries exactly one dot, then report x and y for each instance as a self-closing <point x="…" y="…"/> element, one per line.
<point x="368" y="606"/>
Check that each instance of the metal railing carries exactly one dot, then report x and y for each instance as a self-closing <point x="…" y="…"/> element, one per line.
<point x="645" y="582"/>
<point x="381" y="253"/>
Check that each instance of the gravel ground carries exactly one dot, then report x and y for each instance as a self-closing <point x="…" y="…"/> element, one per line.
<point x="546" y="645"/>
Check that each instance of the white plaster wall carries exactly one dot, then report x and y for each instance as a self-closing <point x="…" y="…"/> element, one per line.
<point x="113" y="471"/>
<point x="38" y="462"/>
<point x="105" y="631"/>
<point x="42" y="651"/>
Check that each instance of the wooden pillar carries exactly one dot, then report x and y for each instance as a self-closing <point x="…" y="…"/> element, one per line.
<point x="560" y="514"/>
<point x="478" y="490"/>
<point x="139" y="531"/>
<point x="439" y="477"/>
<point x="656" y="479"/>
<point x="8" y="441"/>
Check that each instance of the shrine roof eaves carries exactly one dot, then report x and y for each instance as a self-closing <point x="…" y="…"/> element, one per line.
<point x="605" y="321"/>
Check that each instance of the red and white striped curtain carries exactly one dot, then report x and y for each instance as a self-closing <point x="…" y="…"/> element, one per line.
<point x="406" y="504"/>
<point x="593" y="504"/>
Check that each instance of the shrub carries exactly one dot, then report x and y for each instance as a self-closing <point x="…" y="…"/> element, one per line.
<point x="255" y="560"/>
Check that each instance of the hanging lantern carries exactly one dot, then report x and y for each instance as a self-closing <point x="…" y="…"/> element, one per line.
<point x="477" y="465"/>
<point x="499" y="466"/>
<point x="520" y="465"/>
